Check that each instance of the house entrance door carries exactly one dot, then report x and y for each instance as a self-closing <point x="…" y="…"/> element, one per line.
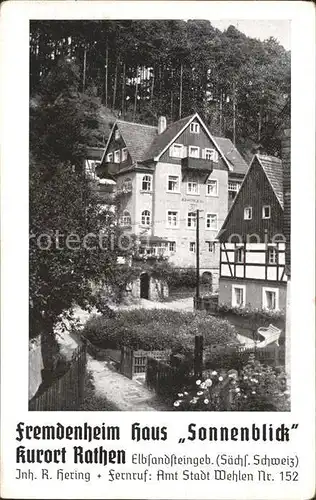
<point x="144" y="286"/>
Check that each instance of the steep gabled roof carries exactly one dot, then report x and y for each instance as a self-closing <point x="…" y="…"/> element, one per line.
<point x="239" y="166"/>
<point x="137" y="137"/>
<point x="162" y="140"/>
<point x="144" y="143"/>
<point x="94" y="153"/>
<point x="273" y="169"/>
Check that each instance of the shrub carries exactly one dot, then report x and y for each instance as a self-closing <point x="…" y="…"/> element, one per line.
<point x="255" y="387"/>
<point x="251" y="313"/>
<point x="157" y="329"/>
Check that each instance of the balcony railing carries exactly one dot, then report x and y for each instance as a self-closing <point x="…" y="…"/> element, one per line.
<point x="199" y="164"/>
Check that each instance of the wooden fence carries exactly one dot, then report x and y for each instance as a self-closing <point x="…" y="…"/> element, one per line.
<point x="272" y="354"/>
<point x="135" y="362"/>
<point x="163" y="378"/>
<point x="66" y="393"/>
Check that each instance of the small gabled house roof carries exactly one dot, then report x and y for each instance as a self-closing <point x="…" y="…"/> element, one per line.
<point x="273" y="169"/>
<point x="137" y="137"/>
<point x="94" y="153"/>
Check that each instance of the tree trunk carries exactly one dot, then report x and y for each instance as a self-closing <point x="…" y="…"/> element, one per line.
<point x="152" y="86"/>
<point x="84" y="69"/>
<point x="123" y="91"/>
<point x="234" y="114"/>
<point x="171" y="97"/>
<point x="136" y="95"/>
<point x="106" y="74"/>
<point x="259" y="125"/>
<point x="221" y="113"/>
<point x="180" y="93"/>
<point x="115" y="86"/>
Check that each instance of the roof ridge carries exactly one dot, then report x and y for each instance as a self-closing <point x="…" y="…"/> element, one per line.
<point x="135" y="123"/>
<point x="275" y="158"/>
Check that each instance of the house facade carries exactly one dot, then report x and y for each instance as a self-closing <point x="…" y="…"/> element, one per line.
<point x="252" y="241"/>
<point x="164" y="175"/>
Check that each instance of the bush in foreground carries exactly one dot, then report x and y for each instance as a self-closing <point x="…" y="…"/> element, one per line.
<point x="157" y="329"/>
<point x="255" y="387"/>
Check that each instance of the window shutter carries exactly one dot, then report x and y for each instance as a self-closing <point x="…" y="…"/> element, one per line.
<point x="184" y="151"/>
<point x="215" y="156"/>
<point x="203" y="154"/>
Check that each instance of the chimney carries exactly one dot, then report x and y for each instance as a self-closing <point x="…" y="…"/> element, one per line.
<point x="162" y="124"/>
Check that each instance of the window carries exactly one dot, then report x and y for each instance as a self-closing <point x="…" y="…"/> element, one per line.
<point x="210" y="154"/>
<point x="270" y="298"/>
<point x="146" y="183"/>
<point x="171" y="246"/>
<point x="176" y="151"/>
<point x="109" y="158"/>
<point x="248" y="213"/>
<point x="172" y="218"/>
<point x="193" y="186"/>
<point x="192" y="246"/>
<point x="146" y="218"/>
<point x="117" y="156"/>
<point x="212" y="188"/>
<point x="211" y="221"/>
<point x="124" y="154"/>
<point x="194" y="128"/>
<point x="210" y="246"/>
<point x="240" y="255"/>
<point x="90" y="169"/>
<point x="194" y="152"/>
<point x="266" y="212"/>
<point x="173" y="183"/>
<point x="126" y="219"/>
<point x="127" y="185"/>
<point x="272" y="255"/>
<point x="233" y="188"/>
<point x="238" y="296"/>
<point x="191" y="222"/>
<point x="117" y="134"/>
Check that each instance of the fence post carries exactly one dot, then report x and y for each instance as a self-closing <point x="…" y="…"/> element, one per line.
<point x="198" y="356"/>
<point x="276" y="355"/>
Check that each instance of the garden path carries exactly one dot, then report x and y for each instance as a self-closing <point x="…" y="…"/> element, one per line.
<point x="117" y="391"/>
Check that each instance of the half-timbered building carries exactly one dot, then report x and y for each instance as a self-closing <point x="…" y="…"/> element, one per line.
<point x="252" y="241"/>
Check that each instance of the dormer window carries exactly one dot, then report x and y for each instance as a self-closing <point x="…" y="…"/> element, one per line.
<point x="194" y="152"/>
<point x="124" y="154"/>
<point x="210" y="154"/>
<point x="109" y="158"/>
<point x="117" y="156"/>
<point x="194" y="128"/>
<point x="117" y="134"/>
<point x="176" y="151"/>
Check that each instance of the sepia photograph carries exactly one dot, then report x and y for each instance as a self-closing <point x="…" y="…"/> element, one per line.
<point x="159" y="215"/>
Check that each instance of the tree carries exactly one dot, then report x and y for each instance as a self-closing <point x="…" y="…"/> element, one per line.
<point x="72" y="233"/>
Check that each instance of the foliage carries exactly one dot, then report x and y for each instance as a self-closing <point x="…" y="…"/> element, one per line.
<point x="255" y="387"/>
<point x="252" y="313"/>
<point x="157" y="329"/>
<point x="63" y="207"/>
<point x="137" y="68"/>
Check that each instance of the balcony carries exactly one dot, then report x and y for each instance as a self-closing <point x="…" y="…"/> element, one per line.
<point x="197" y="165"/>
<point x="107" y="168"/>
